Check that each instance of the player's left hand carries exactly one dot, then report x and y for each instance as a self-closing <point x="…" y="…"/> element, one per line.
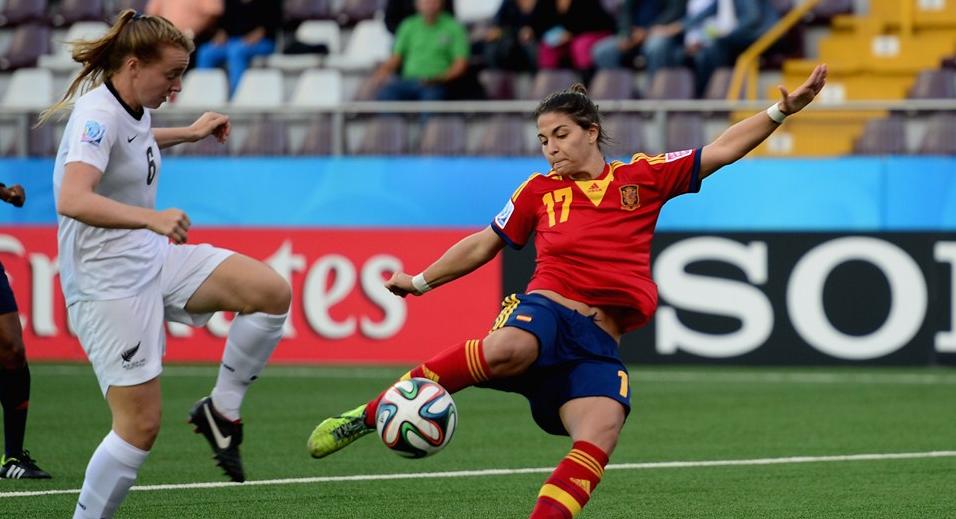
<point x="211" y="123"/>
<point x="401" y="285"/>
<point x="14" y="194"/>
<point x="801" y="97"/>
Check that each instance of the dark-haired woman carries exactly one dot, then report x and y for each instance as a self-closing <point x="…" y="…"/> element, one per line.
<point x="125" y="267"/>
<point x="557" y="344"/>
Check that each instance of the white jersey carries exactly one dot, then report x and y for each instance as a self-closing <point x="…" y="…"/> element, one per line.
<point x="98" y="263"/>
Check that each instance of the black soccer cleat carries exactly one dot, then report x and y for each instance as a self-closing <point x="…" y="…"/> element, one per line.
<point x="21" y="466"/>
<point x="223" y="435"/>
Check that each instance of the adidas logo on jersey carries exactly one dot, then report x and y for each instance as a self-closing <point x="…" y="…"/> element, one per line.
<point x="594" y="188"/>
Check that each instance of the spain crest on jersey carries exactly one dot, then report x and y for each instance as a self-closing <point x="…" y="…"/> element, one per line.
<point x="630" y="200"/>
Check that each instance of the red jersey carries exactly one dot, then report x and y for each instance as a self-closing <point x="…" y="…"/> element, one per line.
<point x="593" y="237"/>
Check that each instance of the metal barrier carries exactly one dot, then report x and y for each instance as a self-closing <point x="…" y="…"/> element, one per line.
<point x="657" y="110"/>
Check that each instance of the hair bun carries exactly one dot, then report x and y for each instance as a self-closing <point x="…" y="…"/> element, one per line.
<point x="578" y="88"/>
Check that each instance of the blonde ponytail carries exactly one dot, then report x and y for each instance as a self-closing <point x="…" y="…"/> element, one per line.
<point x="131" y="35"/>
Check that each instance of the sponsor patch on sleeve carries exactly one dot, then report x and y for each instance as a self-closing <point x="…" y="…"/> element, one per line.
<point x="502" y="219"/>
<point x="93" y="132"/>
<point x="675" y="155"/>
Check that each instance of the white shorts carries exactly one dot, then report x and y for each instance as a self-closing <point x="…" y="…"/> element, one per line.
<point x="125" y="339"/>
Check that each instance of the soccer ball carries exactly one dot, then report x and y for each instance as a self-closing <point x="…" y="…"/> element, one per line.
<point x="416" y="418"/>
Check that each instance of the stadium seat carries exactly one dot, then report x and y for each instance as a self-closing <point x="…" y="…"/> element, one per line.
<point x="444" y="135"/>
<point x="204" y="89"/>
<point x="934" y="84"/>
<point x="470" y="11"/>
<point x="672" y="83"/>
<point x="62" y="60"/>
<point x="498" y="84"/>
<point x="318" y="137"/>
<point x="612" y="84"/>
<point x="120" y="5"/>
<point x="369" y="87"/>
<point x="684" y="131"/>
<point x="40" y="143"/>
<point x="940" y="136"/>
<point x="310" y="32"/>
<point x="259" y="89"/>
<point x="885" y="136"/>
<point x="626" y="132"/>
<point x="29" y="42"/>
<point x="29" y="89"/>
<point x="503" y="136"/>
<point x="295" y="11"/>
<point x="370" y="44"/>
<point x="719" y="85"/>
<point x="68" y="12"/>
<point x="353" y="12"/>
<point x="266" y="137"/>
<point x="16" y="12"/>
<point x="385" y="135"/>
<point x="547" y="82"/>
<point x="319" y="88"/>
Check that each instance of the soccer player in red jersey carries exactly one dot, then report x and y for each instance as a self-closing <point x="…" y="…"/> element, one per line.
<point x="557" y="344"/>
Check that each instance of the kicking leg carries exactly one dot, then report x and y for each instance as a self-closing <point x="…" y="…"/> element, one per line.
<point x="505" y="352"/>
<point x="261" y="299"/>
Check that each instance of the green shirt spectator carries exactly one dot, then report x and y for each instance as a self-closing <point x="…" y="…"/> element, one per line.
<point x="428" y="50"/>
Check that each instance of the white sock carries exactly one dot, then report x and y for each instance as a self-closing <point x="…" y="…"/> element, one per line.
<point x="252" y="337"/>
<point x="109" y="475"/>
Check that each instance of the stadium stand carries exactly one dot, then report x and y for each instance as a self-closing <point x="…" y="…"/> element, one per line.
<point x="16" y="12"/>
<point x="29" y="42"/>
<point x="887" y="51"/>
<point x="61" y="60"/>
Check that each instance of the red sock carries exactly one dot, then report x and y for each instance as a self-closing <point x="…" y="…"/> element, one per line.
<point x="456" y="368"/>
<point x="568" y="489"/>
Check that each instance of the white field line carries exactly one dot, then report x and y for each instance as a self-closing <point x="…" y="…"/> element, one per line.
<point x="508" y="472"/>
<point x="638" y="375"/>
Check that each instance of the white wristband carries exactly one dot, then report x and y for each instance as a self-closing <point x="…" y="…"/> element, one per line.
<point x="776" y="115"/>
<point x="418" y="281"/>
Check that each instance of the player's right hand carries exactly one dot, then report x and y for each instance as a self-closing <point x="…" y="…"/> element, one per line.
<point x="172" y="223"/>
<point x="401" y="285"/>
<point x="14" y="194"/>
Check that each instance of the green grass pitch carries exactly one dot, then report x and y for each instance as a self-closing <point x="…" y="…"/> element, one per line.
<point x="681" y="414"/>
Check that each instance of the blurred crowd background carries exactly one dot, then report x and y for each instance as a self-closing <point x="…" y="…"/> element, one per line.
<point x="298" y="74"/>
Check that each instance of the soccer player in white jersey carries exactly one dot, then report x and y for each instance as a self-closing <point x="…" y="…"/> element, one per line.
<point x="122" y="276"/>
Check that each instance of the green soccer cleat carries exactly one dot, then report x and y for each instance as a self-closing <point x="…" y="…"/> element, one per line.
<point x="336" y="432"/>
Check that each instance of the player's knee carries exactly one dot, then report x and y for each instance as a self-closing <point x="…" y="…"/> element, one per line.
<point x="272" y="296"/>
<point x="277" y="297"/>
<point x="510" y="352"/>
<point x="12" y="352"/>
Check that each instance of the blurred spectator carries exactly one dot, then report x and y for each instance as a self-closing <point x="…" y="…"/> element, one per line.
<point x="662" y="47"/>
<point x="396" y="11"/>
<point x="569" y="29"/>
<point x="634" y="17"/>
<point x="194" y="17"/>
<point x="432" y="50"/>
<point x="247" y="29"/>
<point x="733" y="25"/>
<point x="510" y="42"/>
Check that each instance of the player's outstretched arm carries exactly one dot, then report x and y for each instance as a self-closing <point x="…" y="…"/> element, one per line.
<point x="462" y="258"/>
<point x="209" y="123"/>
<point x="741" y="138"/>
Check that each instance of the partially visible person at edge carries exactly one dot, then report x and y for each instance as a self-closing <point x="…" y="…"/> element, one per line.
<point x="16" y="463"/>
<point x="557" y="344"/>
<point x="121" y="276"/>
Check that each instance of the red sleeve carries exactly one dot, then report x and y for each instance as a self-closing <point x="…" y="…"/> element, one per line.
<point x="675" y="173"/>
<point x="516" y="221"/>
